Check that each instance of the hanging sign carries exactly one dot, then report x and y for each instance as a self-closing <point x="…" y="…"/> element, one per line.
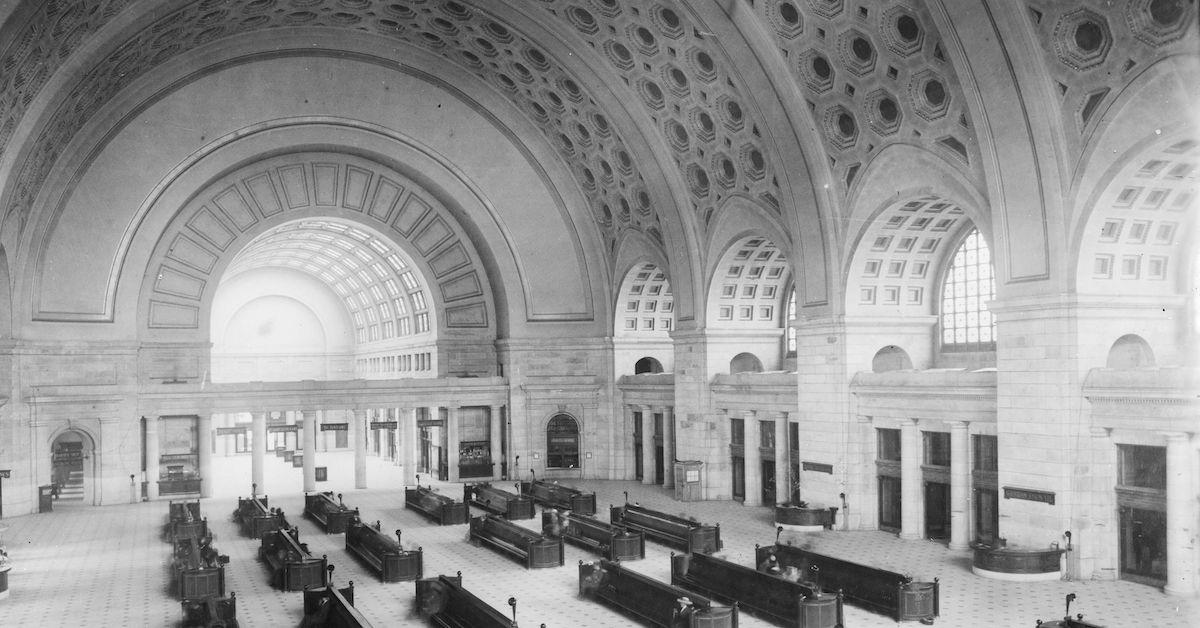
<point x="230" y="431"/>
<point x="431" y="423"/>
<point x="1012" y="492"/>
<point x="335" y="427"/>
<point x="275" y="429"/>
<point x="384" y="425"/>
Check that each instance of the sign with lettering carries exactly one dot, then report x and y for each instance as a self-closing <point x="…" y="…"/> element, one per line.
<point x="275" y="429"/>
<point x="5" y="473"/>
<point x="1028" y="494"/>
<point x="431" y="423"/>
<point x="384" y="425"/>
<point x="819" y="467"/>
<point x="230" y="431"/>
<point x="335" y="427"/>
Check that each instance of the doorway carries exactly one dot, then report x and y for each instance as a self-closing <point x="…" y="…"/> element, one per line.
<point x="659" y="454"/>
<point x="1143" y="546"/>
<point x="71" y="457"/>
<point x="889" y="503"/>
<point x="637" y="447"/>
<point x="739" y="478"/>
<point x="768" y="482"/>
<point x="937" y="510"/>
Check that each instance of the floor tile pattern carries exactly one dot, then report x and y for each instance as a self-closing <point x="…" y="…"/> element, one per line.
<point x="108" y="566"/>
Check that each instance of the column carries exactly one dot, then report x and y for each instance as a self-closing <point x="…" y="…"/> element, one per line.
<point x="497" y="446"/>
<point x="960" y="485"/>
<point x="647" y="445"/>
<point x="1181" y="505"/>
<point x="668" y="447"/>
<point x="309" y="425"/>
<point x="911" y="499"/>
<point x="394" y="437"/>
<point x="408" y="443"/>
<point x="358" y="431"/>
<point x="441" y="442"/>
<point x="753" y="458"/>
<point x="783" y="465"/>
<point x="258" y="449"/>
<point x="152" y="455"/>
<point x="204" y="446"/>
<point x="452" y="443"/>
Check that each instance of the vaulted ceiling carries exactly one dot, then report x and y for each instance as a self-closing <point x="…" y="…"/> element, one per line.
<point x="664" y="112"/>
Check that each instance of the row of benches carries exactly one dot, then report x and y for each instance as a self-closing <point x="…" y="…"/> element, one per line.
<point x="197" y="569"/>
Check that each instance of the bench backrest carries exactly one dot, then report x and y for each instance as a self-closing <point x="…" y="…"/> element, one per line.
<point x="644" y="595"/>
<point x="744" y="584"/>
<point x="333" y="606"/>
<point x="503" y="530"/>
<point x="182" y="511"/>
<point x="590" y="527"/>
<point x="286" y="540"/>
<point x="365" y="535"/>
<point x="877" y="587"/>
<point x="445" y="596"/>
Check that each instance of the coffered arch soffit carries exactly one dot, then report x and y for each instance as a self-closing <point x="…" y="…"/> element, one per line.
<point x="531" y="182"/>
<point x="207" y="233"/>
<point x="714" y="132"/>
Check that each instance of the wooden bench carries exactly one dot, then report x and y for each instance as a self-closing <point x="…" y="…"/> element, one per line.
<point x="330" y="607"/>
<point x="292" y="567"/>
<point x="210" y="612"/>
<point x="332" y="514"/>
<point x="197" y="570"/>
<point x="652" y="601"/>
<point x="553" y="495"/>
<point x="611" y="541"/>
<point x="876" y="590"/>
<point x="255" y="518"/>
<point x="385" y="555"/>
<point x="439" y="508"/>
<point x="769" y="596"/>
<point x="531" y="548"/>
<point x="498" y="501"/>
<point x="184" y="520"/>
<point x="445" y="602"/>
<point x="685" y="534"/>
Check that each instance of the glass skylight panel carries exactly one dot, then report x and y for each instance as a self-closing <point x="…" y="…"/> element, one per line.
<point x="418" y="300"/>
<point x="410" y="281"/>
<point x="379" y="270"/>
<point x="379" y="247"/>
<point x="377" y="292"/>
<point x="395" y="262"/>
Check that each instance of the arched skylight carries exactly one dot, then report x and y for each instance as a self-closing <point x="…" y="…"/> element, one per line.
<point x="383" y="291"/>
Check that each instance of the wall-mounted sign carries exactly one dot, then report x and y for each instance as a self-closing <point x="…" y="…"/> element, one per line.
<point x="819" y="467"/>
<point x="298" y="460"/>
<point x="384" y="425"/>
<point x="5" y="473"/>
<point x="1028" y="494"/>
<point x="230" y="431"/>
<point x="335" y="427"/>
<point x="431" y="423"/>
<point x="275" y="429"/>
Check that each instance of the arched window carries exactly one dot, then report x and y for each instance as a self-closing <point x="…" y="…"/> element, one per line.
<point x="970" y="283"/>
<point x="891" y="358"/>
<point x="745" y="363"/>
<point x="562" y="442"/>
<point x="647" y="365"/>
<point x="1130" y="352"/>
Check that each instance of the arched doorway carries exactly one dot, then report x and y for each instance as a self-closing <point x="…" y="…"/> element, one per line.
<point x="72" y="459"/>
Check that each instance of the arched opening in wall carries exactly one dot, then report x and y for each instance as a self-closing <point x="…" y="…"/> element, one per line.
<point x="644" y="317"/>
<point x="789" y="332"/>
<point x="321" y="299"/>
<point x="647" y="365"/>
<point x="749" y="293"/>
<point x="1130" y="352"/>
<point x="745" y="363"/>
<point x="562" y="442"/>
<point x="967" y="329"/>
<point x="72" y="459"/>
<point x="891" y="358"/>
<point x="1137" y="244"/>
<point x="895" y="270"/>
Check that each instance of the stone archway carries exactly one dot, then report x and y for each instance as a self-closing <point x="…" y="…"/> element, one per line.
<point x="73" y="467"/>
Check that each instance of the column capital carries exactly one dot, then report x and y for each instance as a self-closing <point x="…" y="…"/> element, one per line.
<point x="1100" y="432"/>
<point x="1175" y="437"/>
<point x="958" y="425"/>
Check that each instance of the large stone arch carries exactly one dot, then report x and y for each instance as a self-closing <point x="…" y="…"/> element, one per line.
<point x="205" y="233"/>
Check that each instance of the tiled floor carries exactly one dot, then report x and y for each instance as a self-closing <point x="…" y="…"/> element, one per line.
<point x="107" y="566"/>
